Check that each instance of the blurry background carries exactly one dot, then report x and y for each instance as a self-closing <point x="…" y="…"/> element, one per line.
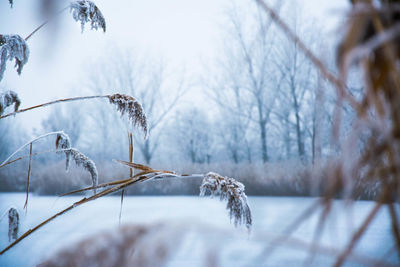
<point x="223" y="89"/>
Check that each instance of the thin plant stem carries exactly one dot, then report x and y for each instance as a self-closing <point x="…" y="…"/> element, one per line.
<point x="33" y="155"/>
<point x="395" y="226"/>
<point x="76" y="204"/>
<point x="97" y="186"/>
<point x="140" y="177"/>
<point x="54" y="102"/>
<point x="27" y="179"/>
<point x="120" y="209"/>
<point x="28" y="143"/>
<point x="130" y="139"/>
<point x="46" y="22"/>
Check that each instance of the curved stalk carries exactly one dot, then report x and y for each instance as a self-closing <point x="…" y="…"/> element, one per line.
<point x="54" y="102"/>
<point x="47" y="21"/>
<point x="27" y="144"/>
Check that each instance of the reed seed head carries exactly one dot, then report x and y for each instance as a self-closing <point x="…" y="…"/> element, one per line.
<point x="63" y="142"/>
<point x="231" y="190"/>
<point x="13" y="224"/>
<point x="128" y="104"/>
<point x="85" y="11"/>
<point x="88" y="164"/>
<point x="13" y="47"/>
<point x="7" y="99"/>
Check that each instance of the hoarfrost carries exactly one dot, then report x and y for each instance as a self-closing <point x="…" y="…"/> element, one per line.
<point x="13" y="46"/>
<point x="7" y="99"/>
<point x="88" y="164"/>
<point x="85" y="11"/>
<point x="13" y="224"/>
<point x="231" y="190"/>
<point x="128" y="104"/>
<point x="63" y="142"/>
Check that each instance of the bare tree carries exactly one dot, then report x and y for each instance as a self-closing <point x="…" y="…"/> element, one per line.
<point x="296" y="70"/>
<point x="194" y="135"/>
<point x="150" y="83"/>
<point x="67" y="118"/>
<point x="248" y="84"/>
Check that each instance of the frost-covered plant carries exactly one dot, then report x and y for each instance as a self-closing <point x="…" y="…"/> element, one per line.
<point x="85" y="11"/>
<point x="11" y="3"/>
<point x="231" y="190"/>
<point x="128" y="104"/>
<point x="13" y="224"/>
<point x="63" y="142"/>
<point x="88" y="164"/>
<point x="7" y="99"/>
<point x="13" y="46"/>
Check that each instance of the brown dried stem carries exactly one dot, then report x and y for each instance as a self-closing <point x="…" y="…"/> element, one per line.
<point x="395" y="226"/>
<point x="76" y="204"/>
<point x="53" y="102"/>
<point x="119" y="185"/>
<point x="96" y="187"/>
<point x="27" y="179"/>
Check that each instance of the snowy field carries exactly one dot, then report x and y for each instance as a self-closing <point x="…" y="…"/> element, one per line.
<point x="210" y="229"/>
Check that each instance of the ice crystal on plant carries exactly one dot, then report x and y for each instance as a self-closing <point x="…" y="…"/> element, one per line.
<point x="231" y="190"/>
<point x="128" y="104"/>
<point x="13" y="224"/>
<point x="63" y="142"/>
<point x="85" y="11"/>
<point x="7" y="99"/>
<point x="88" y="164"/>
<point x="13" y="46"/>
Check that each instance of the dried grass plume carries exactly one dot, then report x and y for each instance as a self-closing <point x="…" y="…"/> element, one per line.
<point x="13" y="47"/>
<point x="85" y="11"/>
<point x="88" y="164"/>
<point x="7" y="99"/>
<point x="231" y="190"/>
<point x="62" y="143"/>
<point x="128" y="104"/>
<point x="13" y="224"/>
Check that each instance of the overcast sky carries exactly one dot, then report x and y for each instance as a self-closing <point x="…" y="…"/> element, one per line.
<point x="182" y="32"/>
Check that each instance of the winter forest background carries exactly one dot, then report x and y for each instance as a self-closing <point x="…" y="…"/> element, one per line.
<point x="222" y="87"/>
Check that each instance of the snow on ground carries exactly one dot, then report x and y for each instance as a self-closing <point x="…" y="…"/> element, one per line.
<point x="236" y="248"/>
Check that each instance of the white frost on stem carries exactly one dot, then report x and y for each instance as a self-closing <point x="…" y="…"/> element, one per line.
<point x="85" y="11"/>
<point x="231" y="190"/>
<point x="63" y="143"/>
<point x="13" y="224"/>
<point x="13" y="47"/>
<point x="28" y="143"/>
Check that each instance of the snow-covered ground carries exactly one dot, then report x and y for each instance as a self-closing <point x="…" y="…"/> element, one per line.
<point x="212" y="229"/>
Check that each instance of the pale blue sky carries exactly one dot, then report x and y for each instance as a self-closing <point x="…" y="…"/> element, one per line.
<point x="182" y="32"/>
